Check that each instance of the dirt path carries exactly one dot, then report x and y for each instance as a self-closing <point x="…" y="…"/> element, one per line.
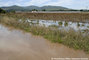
<point x="17" y="45"/>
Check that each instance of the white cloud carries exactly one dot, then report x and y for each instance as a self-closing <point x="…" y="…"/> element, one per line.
<point x="6" y="3"/>
<point x="9" y="2"/>
<point x="60" y="2"/>
<point x="36" y="2"/>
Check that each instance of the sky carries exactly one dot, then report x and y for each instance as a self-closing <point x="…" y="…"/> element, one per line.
<point x="74" y="4"/>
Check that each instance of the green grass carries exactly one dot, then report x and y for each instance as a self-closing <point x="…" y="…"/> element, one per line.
<point x="66" y="23"/>
<point x="69" y="38"/>
<point x="88" y="26"/>
<point x="60" y="23"/>
<point x="54" y="26"/>
<point x="78" y="24"/>
<point x="83" y="25"/>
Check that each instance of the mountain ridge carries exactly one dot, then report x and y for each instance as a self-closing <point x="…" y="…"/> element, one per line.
<point x="27" y="8"/>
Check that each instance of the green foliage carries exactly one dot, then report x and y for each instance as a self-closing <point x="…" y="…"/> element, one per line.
<point x="66" y="24"/>
<point x="34" y="10"/>
<point x="78" y="24"/>
<point x="2" y="11"/>
<point x="54" y="26"/>
<point x="60" y="23"/>
<point x="43" y="10"/>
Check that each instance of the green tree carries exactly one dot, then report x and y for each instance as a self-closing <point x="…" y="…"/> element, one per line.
<point x="2" y="11"/>
<point x="43" y="10"/>
<point x="34" y="10"/>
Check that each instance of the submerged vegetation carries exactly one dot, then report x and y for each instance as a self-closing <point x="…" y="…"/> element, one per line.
<point x="60" y="23"/>
<point x="66" y="24"/>
<point x="71" y="38"/>
<point x="78" y="24"/>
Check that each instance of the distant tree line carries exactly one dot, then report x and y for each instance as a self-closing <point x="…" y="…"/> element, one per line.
<point x="68" y="10"/>
<point x="60" y="10"/>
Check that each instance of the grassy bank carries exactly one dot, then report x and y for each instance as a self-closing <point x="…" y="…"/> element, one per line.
<point x="70" y="38"/>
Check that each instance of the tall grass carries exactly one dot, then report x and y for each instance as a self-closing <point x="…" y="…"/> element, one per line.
<point x="71" y="38"/>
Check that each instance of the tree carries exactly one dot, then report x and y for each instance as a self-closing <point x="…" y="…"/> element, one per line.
<point x="34" y="10"/>
<point x="81" y="10"/>
<point x="43" y="10"/>
<point x="2" y="11"/>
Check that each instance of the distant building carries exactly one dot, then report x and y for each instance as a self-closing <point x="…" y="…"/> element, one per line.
<point x="34" y="11"/>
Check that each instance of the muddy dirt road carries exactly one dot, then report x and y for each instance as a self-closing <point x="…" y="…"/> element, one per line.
<point x="18" y="45"/>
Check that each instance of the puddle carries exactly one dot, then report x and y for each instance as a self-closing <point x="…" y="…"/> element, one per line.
<point x="18" y="45"/>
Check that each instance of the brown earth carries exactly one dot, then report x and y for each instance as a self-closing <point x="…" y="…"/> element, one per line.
<point x="79" y="17"/>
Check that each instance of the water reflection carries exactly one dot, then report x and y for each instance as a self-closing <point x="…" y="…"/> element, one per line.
<point x="59" y="24"/>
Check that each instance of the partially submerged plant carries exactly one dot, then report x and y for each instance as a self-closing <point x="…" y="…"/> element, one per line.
<point x="78" y="24"/>
<point x="66" y="23"/>
<point x="60" y="23"/>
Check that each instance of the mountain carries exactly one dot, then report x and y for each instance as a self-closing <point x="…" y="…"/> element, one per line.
<point x="27" y="8"/>
<point x="14" y="7"/>
<point x="32" y="7"/>
<point x="54" y="8"/>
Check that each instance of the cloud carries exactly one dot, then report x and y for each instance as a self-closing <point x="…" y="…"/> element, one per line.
<point x="60" y="2"/>
<point x="5" y="3"/>
<point x="79" y="4"/>
<point x="36" y="2"/>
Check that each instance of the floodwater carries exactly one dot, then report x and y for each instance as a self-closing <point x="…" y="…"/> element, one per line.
<point x="61" y="24"/>
<point x="19" y="45"/>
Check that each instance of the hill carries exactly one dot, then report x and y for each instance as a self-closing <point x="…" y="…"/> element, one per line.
<point x="54" y="8"/>
<point x="28" y="8"/>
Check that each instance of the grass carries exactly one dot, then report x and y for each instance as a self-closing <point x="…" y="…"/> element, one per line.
<point x="71" y="38"/>
<point x="66" y="24"/>
<point x="88" y="26"/>
<point x="54" y="26"/>
<point x="83" y="25"/>
<point x="78" y="24"/>
<point x="60" y="23"/>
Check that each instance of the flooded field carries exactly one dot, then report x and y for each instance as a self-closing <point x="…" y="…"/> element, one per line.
<point x="60" y="24"/>
<point x="19" y="45"/>
<point x="36" y="39"/>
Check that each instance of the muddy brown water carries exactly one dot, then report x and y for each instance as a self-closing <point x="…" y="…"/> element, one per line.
<point x="19" y="45"/>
